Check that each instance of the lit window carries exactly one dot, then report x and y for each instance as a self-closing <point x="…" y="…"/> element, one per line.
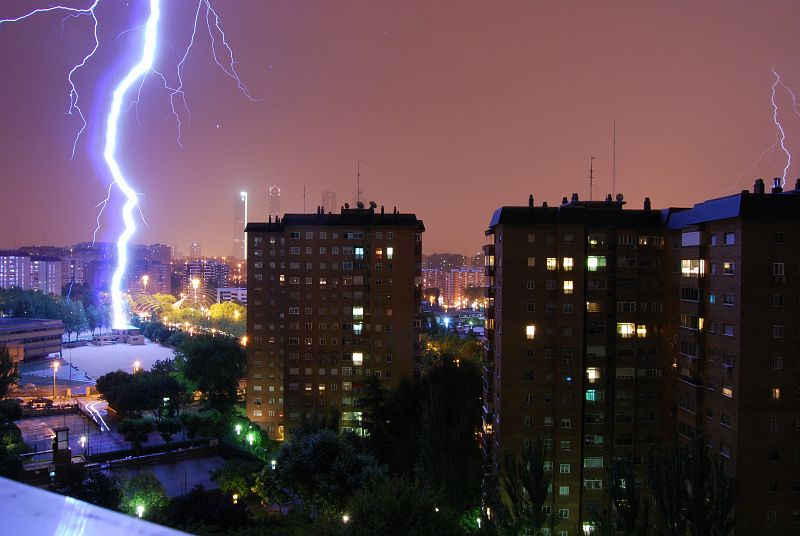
<point x="626" y="330"/>
<point x="641" y="331"/>
<point x="531" y="261"/>
<point x="563" y="490"/>
<point x="776" y="393"/>
<point x="378" y="253"/>
<point x="730" y="238"/>
<point x="592" y="307"/>
<point x="359" y="252"/>
<point x="389" y="252"/>
<point x="568" y="263"/>
<point x="568" y="286"/>
<point x="552" y="263"/>
<point x="358" y="358"/>
<point x="357" y="328"/>
<point x="693" y="267"/>
<point x="358" y="312"/>
<point x="530" y="331"/>
<point x="593" y="374"/>
<point x="594" y="262"/>
<point x="727" y="390"/>
<point x="591" y="395"/>
<point x="728" y="268"/>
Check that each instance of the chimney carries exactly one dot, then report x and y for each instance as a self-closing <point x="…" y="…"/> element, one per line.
<point x="776" y="185"/>
<point x="530" y="201"/>
<point x="574" y="198"/>
<point x="609" y="199"/>
<point x="647" y="203"/>
<point x="544" y="205"/>
<point x="758" y="187"/>
<point x="564" y="200"/>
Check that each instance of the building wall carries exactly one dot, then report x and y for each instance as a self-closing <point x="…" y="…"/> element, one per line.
<point x="38" y="338"/>
<point x="324" y="290"/>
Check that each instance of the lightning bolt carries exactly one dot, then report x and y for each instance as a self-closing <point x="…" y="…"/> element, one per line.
<point x="138" y="72"/>
<point x="778" y="125"/>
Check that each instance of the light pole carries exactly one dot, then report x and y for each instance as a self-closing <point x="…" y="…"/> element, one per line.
<point x="136" y="366"/>
<point x="195" y="286"/>
<point x="55" y="369"/>
<point x="145" y="280"/>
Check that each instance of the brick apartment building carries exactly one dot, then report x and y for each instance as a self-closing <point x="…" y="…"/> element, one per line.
<point x="735" y="265"/>
<point x="332" y="299"/>
<point x="610" y="329"/>
<point x="575" y="328"/>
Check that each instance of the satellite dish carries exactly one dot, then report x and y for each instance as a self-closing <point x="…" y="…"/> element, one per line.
<point x="360" y="204"/>
<point x="619" y="198"/>
<point x="373" y="204"/>
<point x="347" y="205"/>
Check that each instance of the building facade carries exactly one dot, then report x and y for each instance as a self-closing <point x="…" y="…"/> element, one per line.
<point x="15" y="269"/>
<point x="37" y="337"/>
<point x="574" y="346"/>
<point x="332" y="299"/>
<point x="735" y="322"/>
<point x="46" y="275"/>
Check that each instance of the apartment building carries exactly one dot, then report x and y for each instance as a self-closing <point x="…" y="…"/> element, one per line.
<point x="332" y="299"/>
<point x="574" y="345"/>
<point x="735" y="328"/>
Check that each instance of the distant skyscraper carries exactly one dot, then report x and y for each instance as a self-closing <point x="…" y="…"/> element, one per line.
<point x="15" y="269"/>
<point x="329" y="202"/>
<point x="195" y="251"/>
<point x="239" y="221"/>
<point x="274" y="201"/>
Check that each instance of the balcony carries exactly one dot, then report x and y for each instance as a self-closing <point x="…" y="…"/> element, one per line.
<point x="29" y="510"/>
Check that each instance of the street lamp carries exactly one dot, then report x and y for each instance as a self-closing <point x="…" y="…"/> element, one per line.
<point x="195" y="286"/>
<point x="136" y="366"/>
<point x="139" y="510"/>
<point x="55" y="369"/>
<point x="82" y="442"/>
<point x="251" y="438"/>
<point x="238" y="429"/>
<point x="145" y="280"/>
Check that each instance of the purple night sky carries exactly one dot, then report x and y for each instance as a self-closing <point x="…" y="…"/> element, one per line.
<point x="455" y="108"/>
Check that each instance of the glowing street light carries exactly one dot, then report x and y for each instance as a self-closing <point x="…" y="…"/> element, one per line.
<point x="136" y="366"/>
<point x="235" y="498"/>
<point x="55" y="369"/>
<point x="82" y="441"/>
<point x="251" y="438"/>
<point x="145" y="280"/>
<point x="238" y="429"/>
<point x="139" y="510"/>
<point x="345" y="519"/>
<point x="195" y="286"/>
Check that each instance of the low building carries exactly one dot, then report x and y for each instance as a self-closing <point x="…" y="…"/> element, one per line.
<point x="37" y="337"/>
<point x="238" y="295"/>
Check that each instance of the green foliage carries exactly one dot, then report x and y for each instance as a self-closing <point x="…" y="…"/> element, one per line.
<point x="133" y="394"/>
<point x="9" y="374"/>
<point x="200" y="510"/>
<point x="215" y="365"/>
<point x="323" y="470"/>
<point x="206" y="423"/>
<point x="438" y="349"/>
<point x="101" y="490"/>
<point x="631" y="513"/>
<point x="525" y="484"/>
<point x="168" y="427"/>
<point x="399" y="506"/>
<point x="135" y="431"/>
<point x="692" y="492"/>
<point x="237" y="476"/>
<point x="144" y="489"/>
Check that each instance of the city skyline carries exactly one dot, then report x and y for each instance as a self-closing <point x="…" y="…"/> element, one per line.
<point x="436" y="101"/>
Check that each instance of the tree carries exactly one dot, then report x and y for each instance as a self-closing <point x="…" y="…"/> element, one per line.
<point x="692" y="492"/>
<point x="144" y="490"/>
<point x="525" y="483"/>
<point x="168" y="427"/>
<point x="73" y="316"/>
<point x="215" y="365"/>
<point x="93" y="317"/>
<point x="201" y="509"/>
<point x="631" y="512"/>
<point x="101" y="490"/>
<point x="323" y="470"/>
<point x="9" y="372"/>
<point x="399" y="506"/>
<point x="135" y="431"/>
<point x="237" y="476"/>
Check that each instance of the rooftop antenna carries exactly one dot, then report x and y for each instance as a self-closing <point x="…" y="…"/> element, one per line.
<point x="358" y="182"/>
<point x="591" y="176"/>
<point x="614" y="158"/>
<point x="304" y="199"/>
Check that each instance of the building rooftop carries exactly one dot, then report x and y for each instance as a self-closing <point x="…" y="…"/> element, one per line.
<point x="347" y="217"/>
<point x="7" y="323"/>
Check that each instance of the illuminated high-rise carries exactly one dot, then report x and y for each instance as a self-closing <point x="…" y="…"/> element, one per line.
<point x="332" y="299"/>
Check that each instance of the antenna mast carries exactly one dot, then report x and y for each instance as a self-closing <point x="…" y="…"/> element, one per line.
<point x="304" y="199"/>
<point x="614" y="160"/>
<point x="358" y="182"/>
<point x="591" y="176"/>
